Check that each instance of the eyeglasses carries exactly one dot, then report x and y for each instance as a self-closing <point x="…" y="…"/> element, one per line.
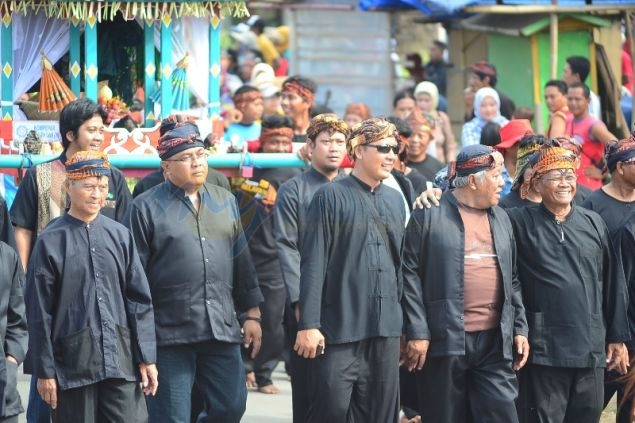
<point x="384" y="148"/>
<point x="191" y="158"/>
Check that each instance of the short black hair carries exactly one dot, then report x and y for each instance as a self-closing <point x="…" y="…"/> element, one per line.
<point x="490" y="134"/>
<point x="276" y="121"/>
<point x="585" y="88"/>
<point x="579" y="65"/>
<point x="307" y="83"/>
<point x="401" y="94"/>
<point x="402" y="126"/>
<point x="559" y="84"/>
<point x="319" y="109"/>
<point x="75" y="113"/>
<point x="246" y="89"/>
<point x="440" y="44"/>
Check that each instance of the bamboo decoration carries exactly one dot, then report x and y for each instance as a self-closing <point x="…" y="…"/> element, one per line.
<point x="54" y="93"/>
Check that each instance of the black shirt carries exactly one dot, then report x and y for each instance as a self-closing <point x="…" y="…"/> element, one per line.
<point x="436" y="72"/>
<point x="417" y="180"/>
<point x="214" y="177"/>
<point x="6" y="228"/>
<point x="290" y="223"/>
<point x="257" y="220"/>
<point x="350" y="280"/>
<point x="428" y="167"/>
<point x="88" y="304"/>
<point x="613" y="211"/>
<point x="197" y="262"/>
<point x="573" y="287"/>
<point x="513" y="199"/>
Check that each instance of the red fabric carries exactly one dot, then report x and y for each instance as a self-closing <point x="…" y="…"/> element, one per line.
<point x="627" y="69"/>
<point x="283" y="67"/>
<point x="592" y="150"/>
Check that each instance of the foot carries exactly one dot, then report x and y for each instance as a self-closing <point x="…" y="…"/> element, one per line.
<point x="250" y="380"/>
<point x="269" y="389"/>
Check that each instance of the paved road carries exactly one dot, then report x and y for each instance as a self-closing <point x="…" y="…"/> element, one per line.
<point x="261" y="408"/>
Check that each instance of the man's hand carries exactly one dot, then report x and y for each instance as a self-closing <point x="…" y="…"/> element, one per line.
<point x="521" y="346"/>
<point x="252" y="335"/>
<point x="12" y="359"/>
<point x="47" y="388"/>
<point x="427" y="199"/>
<point x="415" y="355"/>
<point x="307" y="341"/>
<point x="149" y="378"/>
<point x="617" y="358"/>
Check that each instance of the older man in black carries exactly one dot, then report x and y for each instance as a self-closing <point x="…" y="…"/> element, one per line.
<point x="193" y="249"/>
<point x="574" y="294"/>
<point x="351" y="292"/>
<point x="474" y="320"/>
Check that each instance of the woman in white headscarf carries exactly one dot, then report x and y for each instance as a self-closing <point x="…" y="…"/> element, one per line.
<point x="427" y="98"/>
<point x="486" y="109"/>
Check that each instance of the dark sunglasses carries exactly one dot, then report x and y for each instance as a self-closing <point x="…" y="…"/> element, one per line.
<point x="384" y="148"/>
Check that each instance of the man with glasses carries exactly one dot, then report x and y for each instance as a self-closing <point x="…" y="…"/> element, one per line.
<point x="352" y="301"/>
<point x="191" y="244"/>
<point x="574" y="294"/>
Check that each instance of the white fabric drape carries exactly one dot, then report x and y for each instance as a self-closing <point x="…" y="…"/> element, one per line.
<point x="33" y="33"/>
<point x="190" y="34"/>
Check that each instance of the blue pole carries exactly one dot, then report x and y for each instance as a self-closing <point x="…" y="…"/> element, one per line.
<point x="150" y="161"/>
<point x="90" y="53"/>
<point x="74" y="59"/>
<point x="166" y="66"/>
<point x="214" y="68"/>
<point x="6" y="57"/>
<point x="149" y="72"/>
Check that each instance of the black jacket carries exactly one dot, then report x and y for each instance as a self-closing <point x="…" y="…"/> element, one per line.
<point x="13" y="330"/>
<point x="573" y="286"/>
<point x="433" y="268"/>
<point x="198" y="264"/>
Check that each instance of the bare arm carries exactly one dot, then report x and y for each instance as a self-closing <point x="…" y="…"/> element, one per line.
<point x="602" y="134"/>
<point x="23" y="238"/>
<point x="558" y="126"/>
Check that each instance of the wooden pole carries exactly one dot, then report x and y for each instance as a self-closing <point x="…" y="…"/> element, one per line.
<point x="553" y="33"/>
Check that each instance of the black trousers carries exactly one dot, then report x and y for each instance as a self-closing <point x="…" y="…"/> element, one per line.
<point x="12" y="419"/>
<point x="564" y="395"/>
<point x="479" y="386"/>
<point x="355" y="382"/>
<point x="108" y="401"/>
<point x="614" y="384"/>
<point x="299" y="371"/>
<point x="270" y="353"/>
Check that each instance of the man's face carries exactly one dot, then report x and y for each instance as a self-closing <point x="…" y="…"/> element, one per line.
<point x="352" y="119"/>
<point x="577" y="102"/>
<point x="277" y="144"/>
<point x="627" y="171"/>
<point x="488" y="189"/>
<point x="87" y="196"/>
<point x="328" y="151"/>
<point x="376" y="165"/>
<point x="89" y="135"/>
<point x="568" y="76"/>
<point x="419" y="140"/>
<point x="436" y="54"/>
<point x="557" y="187"/>
<point x="554" y="98"/>
<point x="188" y="168"/>
<point x="253" y="110"/>
<point x="475" y="82"/>
<point x="271" y="105"/>
<point x="293" y="105"/>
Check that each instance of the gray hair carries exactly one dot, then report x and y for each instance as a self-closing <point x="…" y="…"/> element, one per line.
<point x="462" y="181"/>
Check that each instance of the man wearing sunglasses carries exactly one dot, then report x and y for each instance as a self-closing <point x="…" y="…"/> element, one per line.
<point x="351" y="290"/>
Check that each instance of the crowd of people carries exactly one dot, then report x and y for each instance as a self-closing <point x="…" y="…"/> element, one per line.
<point x="399" y="277"/>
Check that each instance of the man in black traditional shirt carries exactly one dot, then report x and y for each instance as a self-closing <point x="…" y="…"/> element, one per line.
<point x="326" y="142"/>
<point x="574" y="294"/>
<point x="89" y="309"/>
<point x="193" y="249"/>
<point x="475" y="322"/>
<point x="352" y="303"/>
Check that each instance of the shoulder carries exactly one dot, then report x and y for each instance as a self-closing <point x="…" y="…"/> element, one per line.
<point x="6" y="251"/>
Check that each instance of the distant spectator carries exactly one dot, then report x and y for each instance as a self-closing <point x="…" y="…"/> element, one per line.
<point x="265" y="45"/>
<point x="490" y="134"/>
<point x="524" y="112"/>
<point x="355" y="113"/>
<point x="487" y="108"/>
<point x="556" y="100"/>
<point x="247" y="100"/>
<point x="577" y="69"/>
<point x="403" y="103"/>
<point x="298" y="97"/>
<point x="483" y="74"/>
<point x="415" y="67"/>
<point x="435" y="70"/>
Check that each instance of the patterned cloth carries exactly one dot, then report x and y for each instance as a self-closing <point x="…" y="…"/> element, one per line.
<point x="473" y="159"/>
<point x="298" y="89"/>
<point x="267" y="133"/>
<point x="359" y="109"/>
<point x="528" y="146"/>
<point x="621" y="151"/>
<point x="326" y="122"/>
<point x="416" y="118"/>
<point x="183" y="136"/>
<point x="546" y="159"/>
<point x="84" y="164"/>
<point x="368" y="131"/>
